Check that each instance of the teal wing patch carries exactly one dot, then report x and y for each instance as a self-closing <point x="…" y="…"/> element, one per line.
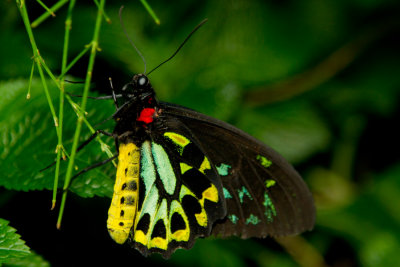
<point x="180" y="195"/>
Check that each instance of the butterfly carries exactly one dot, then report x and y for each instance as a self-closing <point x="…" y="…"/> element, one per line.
<point x="182" y="175"/>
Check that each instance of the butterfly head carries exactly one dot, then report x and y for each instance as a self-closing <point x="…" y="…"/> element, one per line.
<point x="139" y="89"/>
<point x="139" y="103"/>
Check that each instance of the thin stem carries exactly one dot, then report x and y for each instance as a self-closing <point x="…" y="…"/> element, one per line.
<point x="83" y="107"/>
<point x="68" y="22"/>
<point x="46" y="8"/>
<point x="45" y="15"/>
<point x="38" y="60"/>
<point x="70" y="65"/>
<point x="78" y="110"/>
<point x="151" y="12"/>
<point x="28" y="95"/>
<point x="37" y="57"/>
<point x="107" y="19"/>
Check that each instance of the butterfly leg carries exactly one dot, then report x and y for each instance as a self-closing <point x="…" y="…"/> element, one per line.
<point x="85" y="143"/>
<point x="93" y="136"/>
<point x="98" y="164"/>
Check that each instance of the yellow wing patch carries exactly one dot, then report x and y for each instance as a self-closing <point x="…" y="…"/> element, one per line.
<point x="180" y="140"/>
<point x="184" y="167"/>
<point x="140" y="237"/>
<point x="205" y="165"/>
<point x="211" y="193"/>
<point x="158" y="242"/>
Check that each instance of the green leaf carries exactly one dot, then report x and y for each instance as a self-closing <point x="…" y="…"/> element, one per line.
<point x="32" y="260"/>
<point x="11" y="246"/>
<point x="28" y="140"/>
<point x="22" y="123"/>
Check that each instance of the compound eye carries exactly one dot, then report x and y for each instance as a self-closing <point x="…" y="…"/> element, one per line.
<point x="142" y="81"/>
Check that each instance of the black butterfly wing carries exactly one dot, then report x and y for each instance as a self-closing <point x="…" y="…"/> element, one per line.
<point x="180" y="193"/>
<point x="264" y="194"/>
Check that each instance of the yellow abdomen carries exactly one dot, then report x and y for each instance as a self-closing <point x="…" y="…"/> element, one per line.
<point x="123" y="207"/>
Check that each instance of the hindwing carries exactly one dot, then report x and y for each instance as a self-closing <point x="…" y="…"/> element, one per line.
<point x="264" y="194"/>
<point x="180" y="195"/>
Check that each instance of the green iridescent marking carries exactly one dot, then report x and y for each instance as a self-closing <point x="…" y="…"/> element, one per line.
<point x="264" y="161"/>
<point x="270" y="183"/>
<point x="233" y="218"/>
<point x="150" y="203"/>
<point x="242" y="192"/>
<point x="226" y="193"/>
<point x="162" y="213"/>
<point x="223" y="169"/>
<point x="253" y="219"/>
<point x="147" y="171"/>
<point x="269" y="208"/>
<point x="164" y="168"/>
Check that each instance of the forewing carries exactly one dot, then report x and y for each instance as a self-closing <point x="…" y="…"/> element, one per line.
<point x="264" y="194"/>
<point x="180" y="194"/>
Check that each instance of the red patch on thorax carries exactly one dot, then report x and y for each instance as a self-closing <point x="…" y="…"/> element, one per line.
<point x="146" y="115"/>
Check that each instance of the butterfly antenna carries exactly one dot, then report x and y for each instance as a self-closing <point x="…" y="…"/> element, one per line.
<point x="114" y="97"/>
<point x="127" y="36"/>
<point x="179" y="48"/>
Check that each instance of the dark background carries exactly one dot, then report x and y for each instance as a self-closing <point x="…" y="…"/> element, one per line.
<point x="316" y="80"/>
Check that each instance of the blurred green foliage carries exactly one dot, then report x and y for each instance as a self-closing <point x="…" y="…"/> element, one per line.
<point x="316" y="80"/>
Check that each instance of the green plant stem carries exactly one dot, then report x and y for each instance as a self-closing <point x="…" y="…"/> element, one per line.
<point x="45" y="15"/>
<point x="68" y="23"/>
<point x="41" y="63"/>
<point x="38" y="59"/>
<point x="83" y="107"/>
<point x="46" y="8"/>
<point x="78" y="110"/>
<point x="107" y="19"/>
<point x="67" y="68"/>
<point x="151" y="12"/>
<point x="28" y="95"/>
